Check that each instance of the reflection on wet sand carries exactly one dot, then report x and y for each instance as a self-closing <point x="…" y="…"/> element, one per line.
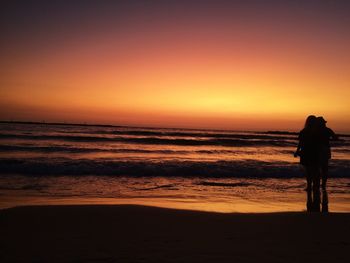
<point x="314" y="203"/>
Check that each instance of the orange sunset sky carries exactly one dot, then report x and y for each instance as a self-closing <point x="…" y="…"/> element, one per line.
<point x="195" y="64"/>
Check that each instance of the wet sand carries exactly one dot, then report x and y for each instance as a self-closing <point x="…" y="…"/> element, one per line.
<point x="127" y="233"/>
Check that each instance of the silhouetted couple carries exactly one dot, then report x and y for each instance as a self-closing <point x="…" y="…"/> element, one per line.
<point x="315" y="152"/>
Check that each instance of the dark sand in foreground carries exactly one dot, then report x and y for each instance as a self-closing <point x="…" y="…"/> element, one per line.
<point x="145" y="234"/>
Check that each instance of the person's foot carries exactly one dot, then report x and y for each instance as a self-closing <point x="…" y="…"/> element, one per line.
<point x="324" y="208"/>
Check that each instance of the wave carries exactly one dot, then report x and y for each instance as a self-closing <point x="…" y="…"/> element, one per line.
<point x="157" y="140"/>
<point x="238" y="135"/>
<point x="205" y="183"/>
<point x="66" y="149"/>
<point x="165" y="186"/>
<point x="162" y="138"/>
<point x="199" y="134"/>
<point x="112" y="167"/>
<point x="101" y="129"/>
<point x="159" y="132"/>
<point x="56" y="137"/>
<point x="208" y="142"/>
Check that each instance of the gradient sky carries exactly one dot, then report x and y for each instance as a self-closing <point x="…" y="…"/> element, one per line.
<point x="199" y="64"/>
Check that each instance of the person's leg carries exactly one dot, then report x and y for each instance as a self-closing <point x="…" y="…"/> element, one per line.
<point x="308" y="175"/>
<point x="324" y="201"/>
<point x="316" y="188"/>
<point x="309" y="200"/>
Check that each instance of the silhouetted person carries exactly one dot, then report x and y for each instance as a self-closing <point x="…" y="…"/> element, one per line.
<point x="308" y="150"/>
<point x="315" y="152"/>
<point x="326" y="134"/>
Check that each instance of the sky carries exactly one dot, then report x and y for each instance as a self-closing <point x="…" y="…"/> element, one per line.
<point x="242" y="65"/>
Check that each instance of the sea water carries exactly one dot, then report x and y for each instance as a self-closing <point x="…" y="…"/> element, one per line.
<point x="224" y="171"/>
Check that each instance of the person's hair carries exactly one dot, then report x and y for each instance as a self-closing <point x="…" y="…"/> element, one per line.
<point x="321" y="122"/>
<point x="310" y="122"/>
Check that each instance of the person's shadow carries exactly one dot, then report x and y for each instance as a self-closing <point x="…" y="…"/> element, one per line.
<point x="314" y="202"/>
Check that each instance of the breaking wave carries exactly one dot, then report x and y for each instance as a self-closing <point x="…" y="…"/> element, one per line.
<point x="109" y="167"/>
<point x="156" y="140"/>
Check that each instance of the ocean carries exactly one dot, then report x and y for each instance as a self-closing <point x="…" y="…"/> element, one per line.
<point x="223" y="171"/>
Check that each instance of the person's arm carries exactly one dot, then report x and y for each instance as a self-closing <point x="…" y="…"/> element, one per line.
<point x="297" y="152"/>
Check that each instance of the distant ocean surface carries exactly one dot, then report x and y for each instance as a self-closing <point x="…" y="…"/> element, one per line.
<point x="66" y="161"/>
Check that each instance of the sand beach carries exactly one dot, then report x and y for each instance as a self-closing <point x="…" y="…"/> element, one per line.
<point x="128" y="233"/>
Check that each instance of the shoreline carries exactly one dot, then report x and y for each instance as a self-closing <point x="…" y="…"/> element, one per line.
<point x="213" y="195"/>
<point x="132" y="233"/>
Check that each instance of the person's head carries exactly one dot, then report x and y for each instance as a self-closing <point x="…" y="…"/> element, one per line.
<point x="311" y="122"/>
<point x="321" y="122"/>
